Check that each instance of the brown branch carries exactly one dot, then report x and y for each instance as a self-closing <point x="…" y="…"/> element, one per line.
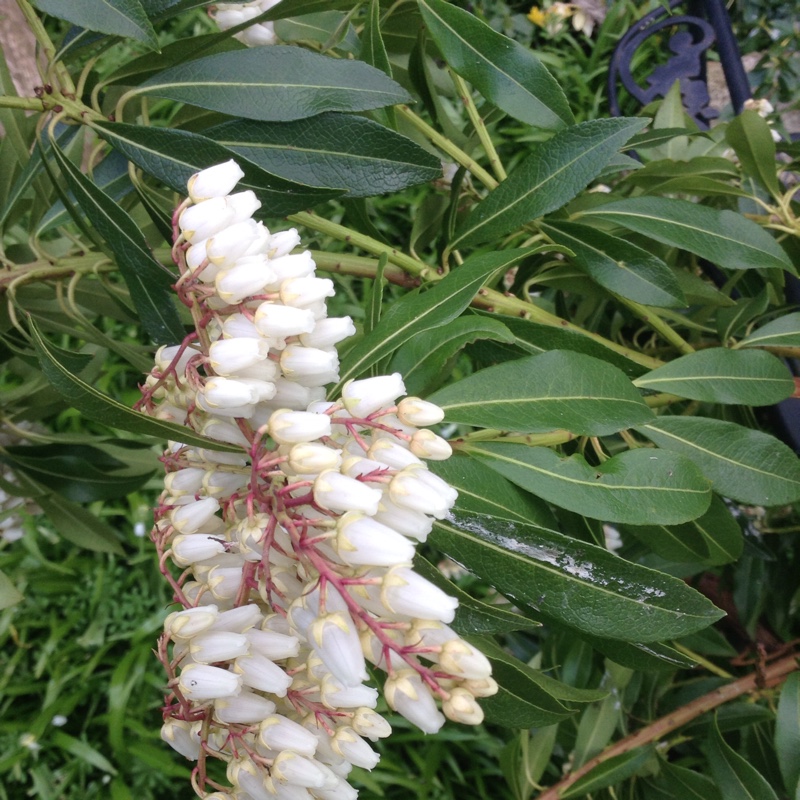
<point x="772" y="676"/>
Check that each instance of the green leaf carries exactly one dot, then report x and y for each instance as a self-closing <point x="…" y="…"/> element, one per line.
<point x="331" y="150"/>
<point x="147" y="281"/>
<point x="787" y="733"/>
<point x="173" y="156"/>
<point x="678" y="783"/>
<point x="373" y="50"/>
<point x="610" y="772"/>
<point x="502" y="70"/>
<point x="276" y="84"/>
<point x="551" y="176"/>
<point x="732" y="774"/>
<point x="579" y="584"/>
<point x="715" y="538"/>
<point x="299" y="8"/>
<point x="416" y="313"/>
<point x="97" y="406"/>
<point x="422" y="361"/>
<point x="745" y="465"/>
<point x="79" y="526"/>
<point x="723" y="237"/>
<point x="83" y="751"/>
<point x="733" y="320"/>
<point x="751" y="138"/>
<point x="644" y="657"/>
<point x="555" y="390"/>
<point x="116" y="17"/>
<point x="617" y="265"/>
<point x="781" y="332"/>
<point x="638" y="487"/>
<point x="9" y="594"/>
<point x="720" y="375"/>
<point x="327" y="28"/>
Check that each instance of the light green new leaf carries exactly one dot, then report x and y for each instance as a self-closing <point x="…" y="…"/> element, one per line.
<point x="734" y="775"/>
<point x="97" y="406"/>
<point x="751" y="138"/>
<point x="277" y="84"/>
<point x="638" y="487"/>
<point x="507" y="74"/>
<point x="422" y="360"/>
<point x="416" y="313"/>
<point x="547" y="179"/>
<point x="78" y="525"/>
<point x="723" y="237"/>
<point x="116" y="17"/>
<point x="745" y="465"/>
<point x="147" y="281"/>
<point x="559" y="389"/>
<point x="787" y="734"/>
<point x="720" y="375"/>
<point x="331" y="150"/>
<point x="9" y="594"/>
<point x="572" y="582"/>
<point x="617" y="265"/>
<point x="781" y="332"/>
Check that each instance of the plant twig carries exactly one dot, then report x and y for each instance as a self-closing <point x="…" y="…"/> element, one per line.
<point x="770" y="677"/>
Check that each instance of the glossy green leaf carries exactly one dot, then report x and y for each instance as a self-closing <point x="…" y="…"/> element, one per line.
<point x="331" y="150"/>
<point x="416" y="313"/>
<point x="331" y="29"/>
<point x="715" y="538"/>
<point x="9" y="594"/>
<point x="787" y="734"/>
<point x="116" y="17"/>
<point x="373" y="50"/>
<point x="733" y="775"/>
<point x="579" y="584"/>
<point x="148" y="282"/>
<point x="97" y="406"/>
<point x="751" y="138"/>
<point x="551" y="176"/>
<point x="277" y="84"/>
<point x="610" y="772"/>
<point x="173" y="156"/>
<point x="559" y="389"/>
<point x="678" y="783"/>
<point x="781" y="332"/>
<point x="720" y="375"/>
<point x="299" y="8"/>
<point x="745" y="465"/>
<point x="646" y="657"/>
<point x="78" y="525"/>
<point x="507" y="74"/>
<point x="723" y="237"/>
<point x="422" y="361"/>
<point x="732" y="321"/>
<point x="617" y="265"/>
<point x="638" y="487"/>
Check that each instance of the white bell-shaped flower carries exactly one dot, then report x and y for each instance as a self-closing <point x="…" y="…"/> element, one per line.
<point x="280" y="733"/>
<point x="337" y="492"/>
<point x="364" y="397"/>
<point x="200" y="682"/>
<point x="413" y="411"/>
<point x="216" y="181"/>
<point x="409" y="696"/>
<point x="405" y="592"/>
<point x="292" y="427"/>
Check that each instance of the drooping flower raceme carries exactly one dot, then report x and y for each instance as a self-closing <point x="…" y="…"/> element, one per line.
<point x="229" y="15"/>
<point x="295" y="544"/>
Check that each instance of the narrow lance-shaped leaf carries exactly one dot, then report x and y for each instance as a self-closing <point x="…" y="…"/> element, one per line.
<point x="502" y="70"/>
<point x="560" y="389"/>
<point x="720" y="375"/>
<point x="611" y="772"/>
<point x="617" y="265"/>
<point x="331" y="150"/>
<point x="751" y="138"/>
<point x="723" y="237"/>
<point x="416" y="313"/>
<point x="637" y="486"/>
<point x="745" y="465"/>
<point x="145" y="278"/>
<point x="781" y="332"/>
<point x="278" y="84"/>
<point x="547" y="179"/>
<point x="787" y="734"/>
<point x="9" y="594"/>
<point x="78" y="525"/>
<point x="582" y="585"/>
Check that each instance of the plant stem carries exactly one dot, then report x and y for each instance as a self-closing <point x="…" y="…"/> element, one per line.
<point x="360" y="266"/>
<point x="26" y="103"/>
<point x="447" y="147"/>
<point x="478" y="124"/>
<point x="659" y="325"/>
<point x="38" y="30"/>
<point x="770" y="677"/>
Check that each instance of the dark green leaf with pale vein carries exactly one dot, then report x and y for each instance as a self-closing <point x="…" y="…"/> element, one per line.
<point x="611" y="772"/>
<point x="781" y="332"/>
<point x="507" y="74"/>
<point x="559" y="389"/>
<point x="750" y="136"/>
<point x="787" y="734"/>
<point x="332" y="150"/>
<point x="733" y="774"/>
<point x="547" y="179"/>
<point x="278" y="84"/>
<point x="78" y="525"/>
<point x="579" y="584"/>
<point x="723" y="237"/>
<point x="720" y="375"/>
<point x="639" y="486"/>
<point x="743" y="464"/>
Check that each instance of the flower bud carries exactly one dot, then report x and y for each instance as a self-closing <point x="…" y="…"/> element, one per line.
<point x="283" y="242"/>
<point x="426" y="444"/>
<point x="262" y="674"/>
<point x="200" y="682"/>
<point x="405" y="592"/>
<point x="190" y="622"/>
<point x="247" y="708"/>
<point x="299" y="265"/>
<point x="369" y="723"/>
<point x="364" y="397"/>
<point x="274" y="319"/>
<point x="280" y="733"/>
<point x="214" y="646"/>
<point x="304" y="292"/>
<point x="190" y="518"/>
<point x="292" y="768"/>
<point x="413" y="411"/>
<point x="337" y="492"/>
<point x="216" y="181"/>
<point x="328" y="332"/>
<point x="462" y="707"/>
<point x="248" y="276"/>
<point x="311" y="458"/>
<point x="348" y="744"/>
<point x="294" y="427"/>
<point x="182" y="736"/>
<point x="336" y="642"/>
<point x="361" y="541"/>
<point x="228" y="356"/>
<point x="407" y="695"/>
<point x="195" y="547"/>
<point x="205" y="219"/>
<point x="298" y="363"/>
<point x="243" y="205"/>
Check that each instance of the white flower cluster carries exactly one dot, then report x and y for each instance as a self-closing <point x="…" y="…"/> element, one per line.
<point x="296" y="552"/>
<point x="229" y="15"/>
